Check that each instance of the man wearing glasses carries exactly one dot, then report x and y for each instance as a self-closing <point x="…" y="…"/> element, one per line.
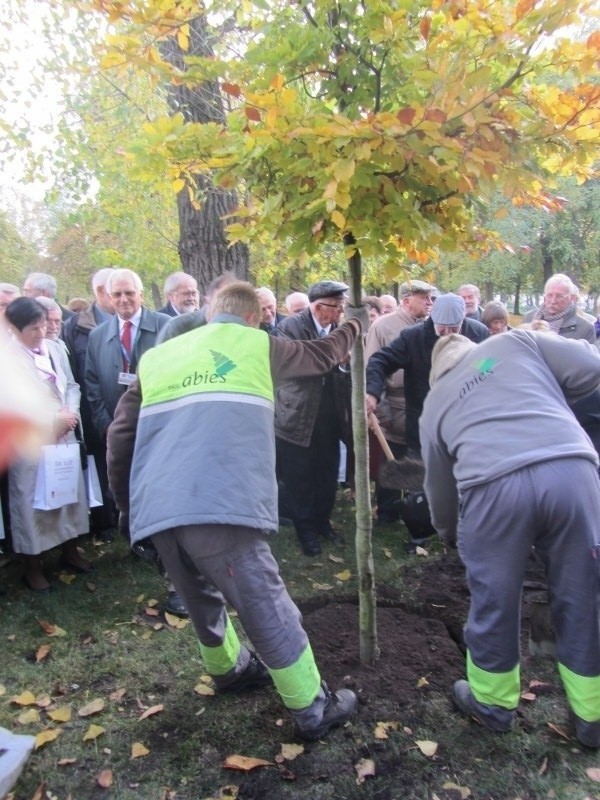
<point x="308" y="424"/>
<point x="181" y="291"/>
<point x="559" y="309"/>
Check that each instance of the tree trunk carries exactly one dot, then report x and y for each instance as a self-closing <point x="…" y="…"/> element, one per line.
<point x="203" y="247"/>
<point x="367" y="620"/>
<point x="517" y="296"/>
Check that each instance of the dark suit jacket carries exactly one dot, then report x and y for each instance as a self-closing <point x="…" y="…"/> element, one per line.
<point x="168" y="309"/>
<point x="104" y="362"/>
<point x="273" y="331"/>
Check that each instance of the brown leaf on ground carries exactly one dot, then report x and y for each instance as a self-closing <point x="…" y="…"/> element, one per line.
<point x="41" y="793"/>
<point x="291" y="751"/>
<point x="559" y="730"/>
<point x="138" y="750"/>
<point x="93" y="732"/>
<point x="427" y="747"/>
<point x="455" y="792"/>
<point x="152" y="710"/>
<point x="50" y="628"/>
<point x="93" y="707"/>
<point x="529" y="697"/>
<point x="593" y="774"/>
<point x="29" y="717"/>
<point x="24" y="699"/>
<point x="151" y="612"/>
<point x="42" y="652"/>
<point x="46" y="736"/>
<point x="335" y="559"/>
<point x="245" y="763"/>
<point x="543" y="768"/>
<point x="66" y="762"/>
<point x="105" y="778"/>
<point x="176" y="622"/>
<point x="117" y="695"/>
<point x="365" y="768"/>
<point x="43" y="700"/>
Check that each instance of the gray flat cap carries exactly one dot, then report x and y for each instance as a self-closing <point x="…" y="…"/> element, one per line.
<point x="410" y="287"/>
<point x="324" y="289"/>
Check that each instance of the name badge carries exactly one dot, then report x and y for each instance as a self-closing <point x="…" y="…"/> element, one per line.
<point x="126" y="378"/>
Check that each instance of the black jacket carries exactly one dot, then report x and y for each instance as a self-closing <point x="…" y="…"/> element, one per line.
<point x="411" y="351"/>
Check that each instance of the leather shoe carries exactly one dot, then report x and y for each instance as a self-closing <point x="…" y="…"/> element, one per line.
<point x="339" y="707"/>
<point x="254" y="676"/>
<point x="311" y="547"/>
<point x="329" y="533"/>
<point x="175" y="605"/>
<point x="76" y="567"/>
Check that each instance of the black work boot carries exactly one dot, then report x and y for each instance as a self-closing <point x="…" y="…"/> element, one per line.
<point x="309" y="542"/>
<point x="338" y="708"/>
<point x="494" y="718"/>
<point x="254" y="676"/>
<point x="175" y="605"/>
<point x="588" y="733"/>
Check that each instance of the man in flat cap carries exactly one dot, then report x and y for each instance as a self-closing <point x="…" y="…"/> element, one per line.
<point x="308" y="424"/>
<point x="416" y="301"/>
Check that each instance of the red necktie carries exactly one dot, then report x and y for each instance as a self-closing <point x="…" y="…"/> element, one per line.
<point x="126" y="343"/>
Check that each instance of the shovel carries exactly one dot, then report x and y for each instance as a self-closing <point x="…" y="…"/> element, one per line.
<point x="403" y="475"/>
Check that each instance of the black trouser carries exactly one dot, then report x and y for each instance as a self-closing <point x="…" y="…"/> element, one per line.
<point x="310" y="475"/>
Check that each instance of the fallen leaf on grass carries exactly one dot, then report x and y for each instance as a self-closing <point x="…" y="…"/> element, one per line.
<point x="41" y="793"/>
<point x="48" y="735"/>
<point x="345" y="575"/>
<point x="151" y="612"/>
<point x="422" y="682"/>
<point x="386" y="552"/>
<point x="60" y="714"/>
<point x="93" y="732"/>
<point x="453" y="788"/>
<point x="204" y="690"/>
<point x="291" y="751"/>
<point x="93" y="707"/>
<point x="91" y="587"/>
<point x="427" y="747"/>
<point x="543" y="767"/>
<point x="43" y="700"/>
<point x="245" y="763"/>
<point x="2" y="690"/>
<point x="152" y="710"/>
<point x="152" y="603"/>
<point x="593" y="774"/>
<point x="138" y="750"/>
<point x="66" y="762"/>
<point x="23" y="699"/>
<point x="42" y="652"/>
<point x="529" y="697"/>
<point x="365" y="768"/>
<point x="176" y="622"/>
<point x="140" y="598"/>
<point x="559" y="730"/>
<point x="322" y="587"/>
<point x="105" y="779"/>
<point x="382" y="728"/>
<point x="335" y="559"/>
<point x="420" y="551"/>
<point x="118" y="695"/>
<point x="29" y="717"/>
<point x="50" y="628"/>
<point x="67" y="577"/>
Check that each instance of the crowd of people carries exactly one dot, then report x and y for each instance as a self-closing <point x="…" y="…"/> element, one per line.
<point x="147" y="390"/>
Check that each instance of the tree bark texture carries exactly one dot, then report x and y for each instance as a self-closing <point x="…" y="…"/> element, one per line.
<point x="203" y="248"/>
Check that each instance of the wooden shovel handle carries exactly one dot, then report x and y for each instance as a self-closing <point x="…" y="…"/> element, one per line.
<point x="375" y="426"/>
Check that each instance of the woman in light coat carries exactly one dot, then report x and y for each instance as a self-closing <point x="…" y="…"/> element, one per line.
<point x="35" y="531"/>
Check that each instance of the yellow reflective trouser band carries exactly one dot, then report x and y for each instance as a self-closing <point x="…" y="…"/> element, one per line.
<point x="222" y="659"/>
<point x="298" y="684"/>
<point x="501" y="689"/>
<point x="583" y="694"/>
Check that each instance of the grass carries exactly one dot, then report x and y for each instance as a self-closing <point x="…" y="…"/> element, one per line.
<point x="110" y="643"/>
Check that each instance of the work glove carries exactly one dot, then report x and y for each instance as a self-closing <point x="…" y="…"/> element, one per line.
<point x="361" y="313"/>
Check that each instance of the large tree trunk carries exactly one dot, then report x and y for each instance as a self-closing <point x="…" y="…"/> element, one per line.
<point x="203" y="247"/>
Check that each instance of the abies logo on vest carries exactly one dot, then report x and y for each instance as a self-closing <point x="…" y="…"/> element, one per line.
<point x="485" y="368"/>
<point x="223" y="365"/>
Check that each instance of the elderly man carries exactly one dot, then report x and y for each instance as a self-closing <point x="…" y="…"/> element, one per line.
<point x="415" y="304"/>
<point x="181" y="291"/>
<point x="472" y="297"/>
<point x="40" y="284"/>
<point x="388" y="303"/>
<point x="296" y="301"/>
<point x="76" y="333"/>
<point x="270" y="317"/>
<point x="534" y="484"/>
<point x="212" y="530"/>
<point x="8" y="292"/>
<point x="308" y="424"/>
<point x="116" y="346"/>
<point x="560" y="311"/>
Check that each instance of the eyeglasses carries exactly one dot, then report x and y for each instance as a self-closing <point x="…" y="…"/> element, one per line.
<point x="129" y="295"/>
<point x="191" y="293"/>
<point x="339" y="306"/>
<point x="552" y="296"/>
